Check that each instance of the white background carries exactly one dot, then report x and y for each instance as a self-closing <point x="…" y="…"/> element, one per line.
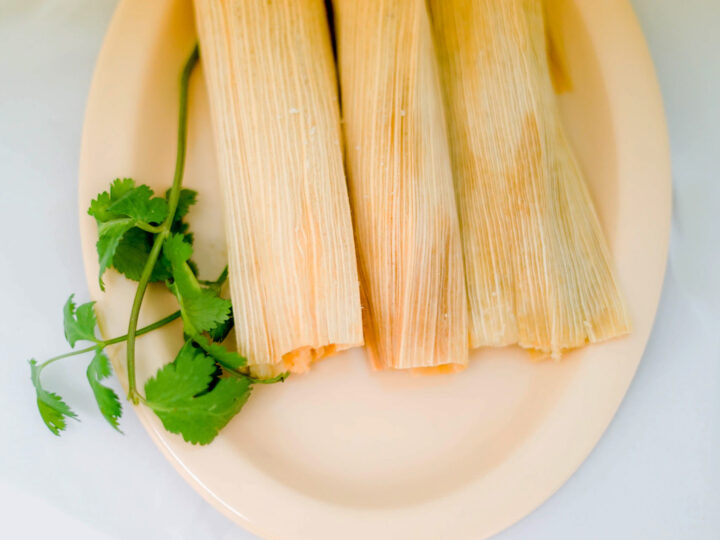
<point x="655" y="474"/>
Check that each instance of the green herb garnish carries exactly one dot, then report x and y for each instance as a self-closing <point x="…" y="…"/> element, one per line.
<point x="144" y="237"/>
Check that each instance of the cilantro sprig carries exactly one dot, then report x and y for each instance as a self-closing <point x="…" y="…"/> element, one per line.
<point x="190" y="399"/>
<point x="80" y="323"/>
<point x="144" y="237"/>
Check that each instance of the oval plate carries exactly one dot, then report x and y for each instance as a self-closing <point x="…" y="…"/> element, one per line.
<point x="346" y="453"/>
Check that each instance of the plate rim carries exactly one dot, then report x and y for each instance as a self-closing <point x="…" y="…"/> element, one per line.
<point x="647" y="86"/>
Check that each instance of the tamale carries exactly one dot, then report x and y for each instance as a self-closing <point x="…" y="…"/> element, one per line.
<point x="400" y="183"/>
<point x="537" y="265"/>
<point x="273" y="95"/>
<point x="557" y="56"/>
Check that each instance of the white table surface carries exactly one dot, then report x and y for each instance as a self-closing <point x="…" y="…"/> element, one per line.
<point x="655" y="474"/>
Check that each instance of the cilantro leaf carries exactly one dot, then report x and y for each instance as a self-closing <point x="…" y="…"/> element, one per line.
<point x="224" y="357"/>
<point x="138" y="203"/>
<point x="53" y="410"/>
<point x="100" y="206"/>
<point x="79" y="323"/>
<point x="120" y="187"/>
<point x="126" y="200"/>
<point x="189" y="400"/>
<point x="187" y="198"/>
<point x="110" y="234"/>
<point x="132" y="253"/>
<point x="188" y="375"/>
<point x="121" y="214"/>
<point x="202" y="309"/>
<point x="177" y="250"/>
<point x="221" y="331"/>
<point x="107" y="400"/>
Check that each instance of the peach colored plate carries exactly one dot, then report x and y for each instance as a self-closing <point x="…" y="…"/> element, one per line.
<point x="346" y="453"/>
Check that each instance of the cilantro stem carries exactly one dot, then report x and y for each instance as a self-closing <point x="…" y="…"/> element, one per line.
<point x="135" y="313"/>
<point x="164" y="231"/>
<point x="145" y="329"/>
<point x="181" y="138"/>
<point x="154" y="229"/>
<point x="201" y="342"/>
<point x="271" y="380"/>
<point x="67" y="355"/>
<point x="102" y="344"/>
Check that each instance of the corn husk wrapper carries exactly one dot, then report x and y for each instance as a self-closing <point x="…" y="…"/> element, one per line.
<point x="273" y="95"/>
<point x="401" y="191"/>
<point x="538" y="267"/>
<point x="557" y="54"/>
